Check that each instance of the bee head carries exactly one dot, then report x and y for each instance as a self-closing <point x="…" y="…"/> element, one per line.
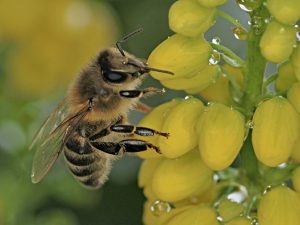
<point x="117" y="68"/>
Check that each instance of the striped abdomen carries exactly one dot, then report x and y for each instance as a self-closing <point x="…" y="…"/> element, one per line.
<point x="87" y="165"/>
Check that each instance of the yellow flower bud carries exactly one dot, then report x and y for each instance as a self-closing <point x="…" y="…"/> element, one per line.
<point x="277" y="42"/>
<point x="182" y="55"/>
<point x="296" y="150"/>
<point x="286" y="77"/>
<point x="203" y="197"/>
<point x="280" y="206"/>
<point x="155" y="120"/>
<point x="275" y="130"/>
<point x="197" y="215"/>
<point x="150" y="217"/>
<point x="189" y="18"/>
<point x="180" y="123"/>
<point x="239" y="221"/>
<point x="236" y="72"/>
<point x="293" y="96"/>
<point x="212" y="3"/>
<point x="296" y="180"/>
<point x="146" y="171"/>
<point x="228" y="209"/>
<point x="201" y="80"/>
<point x="286" y="12"/>
<point x="221" y="133"/>
<point x="176" y="179"/>
<point x="218" y="92"/>
<point x="295" y="59"/>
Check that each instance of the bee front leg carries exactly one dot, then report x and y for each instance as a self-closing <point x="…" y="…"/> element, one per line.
<point x="140" y="93"/>
<point x="141" y="131"/>
<point x="128" y="145"/>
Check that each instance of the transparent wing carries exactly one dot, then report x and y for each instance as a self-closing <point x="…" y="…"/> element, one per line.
<point x="51" y="137"/>
<point x="50" y="124"/>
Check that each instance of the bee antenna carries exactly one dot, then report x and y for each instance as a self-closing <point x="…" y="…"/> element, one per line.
<point x="158" y="70"/>
<point x="118" y="44"/>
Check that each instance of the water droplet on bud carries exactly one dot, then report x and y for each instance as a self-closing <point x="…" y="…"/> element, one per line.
<point x="267" y="20"/>
<point x="238" y="196"/>
<point x="250" y="124"/>
<point x="254" y="221"/>
<point x="248" y="5"/>
<point x="268" y="188"/>
<point x="214" y="58"/>
<point x="216" y="40"/>
<point x="240" y="33"/>
<point x="159" y="208"/>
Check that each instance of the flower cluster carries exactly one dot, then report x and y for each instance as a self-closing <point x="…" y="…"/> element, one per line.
<point x="234" y="148"/>
<point x="52" y="41"/>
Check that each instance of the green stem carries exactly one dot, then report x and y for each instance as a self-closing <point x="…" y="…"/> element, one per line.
<point x="249" y="163"/>
<point x="226" y="51"/>
<point x="254" y="73"/>
<point x="230" y="19"/>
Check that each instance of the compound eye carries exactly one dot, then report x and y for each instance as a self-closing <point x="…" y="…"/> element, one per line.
<point x="114" y="77"/>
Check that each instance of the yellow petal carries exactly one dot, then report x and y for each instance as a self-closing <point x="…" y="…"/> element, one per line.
<point x="221" y="132"/>
<point x="280" y="206"/>
<point x="182" y="55"/>
<point x="286" y="77"/>
<point x="295" y="59"/>
<point x="189" y="18"/>
<point x="293" y="95"/>
<point x="239" y="221"/>
<point x="177" y="179"/>
<point x="180" y="123"/>
<point x="275" y="130"/>
<point x="197" y="215"/>
<point x="277" y="42"/>
<point x="155" y="120"/>
<point x="287" y="12"/>
<point x="201" y="80"/>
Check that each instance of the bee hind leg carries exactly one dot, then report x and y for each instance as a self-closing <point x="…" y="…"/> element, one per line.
<point x="140" y="93"/>
<point x="127" y="145"/>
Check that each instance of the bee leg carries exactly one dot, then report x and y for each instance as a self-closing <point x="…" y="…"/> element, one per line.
<point x="142" y="107"/>
<point x="140" y="93"/>
<point x="128" y="145"/>
<point x="141" y="131"/>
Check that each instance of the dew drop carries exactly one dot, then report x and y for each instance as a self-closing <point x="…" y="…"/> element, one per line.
<point x="240" y="33"/>
<point x="214" y="58"/>
<point x="220" y="219"/>
<point x="216" y="40"/>
<point x="243" y="7"/>
<point x="254" y="221"/>
<point x="159" y="208"/>
<point x="238" y="196"/>
<point x="250" y="124"/>
<point x="268" y="188"/>
<point x="216" y="178"/>
<point x="248" y="5"/>
<point x="267" y="20"/>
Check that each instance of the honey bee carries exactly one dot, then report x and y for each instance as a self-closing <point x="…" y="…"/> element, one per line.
<point x="90" y="125"/>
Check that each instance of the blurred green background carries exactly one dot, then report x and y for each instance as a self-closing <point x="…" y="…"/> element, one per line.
<point x="43" y="44"/>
